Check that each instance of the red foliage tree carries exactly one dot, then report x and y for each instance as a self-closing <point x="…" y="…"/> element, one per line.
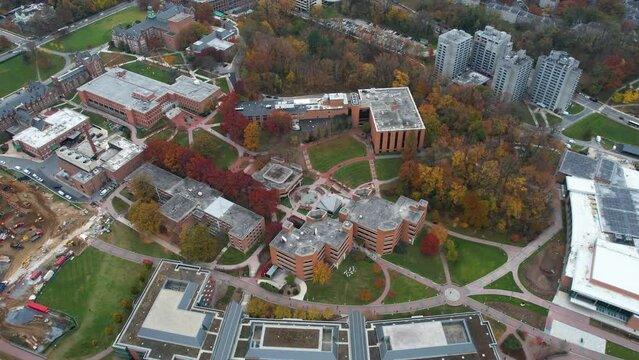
<point x="262" y="201"/>
<point x="379" y="283"/>
<point x="430" y="245"/>
<point x="234" y="124"/>
<point x="278" y="123"/>
<point x="272" y="229"/>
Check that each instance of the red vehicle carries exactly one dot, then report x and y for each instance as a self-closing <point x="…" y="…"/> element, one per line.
<point x="146" y="261"/>
<point x="20" y="224"/>
<point x="60" y="261"/>
<point x="36" y="274"/>
<point x="38" y="307"/>
<point x="39" y="232"/>
<point x="265" y="268"/>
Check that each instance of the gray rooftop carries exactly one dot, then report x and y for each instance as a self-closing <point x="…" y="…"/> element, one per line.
<point x="600" y="169"/>
<point x="173" y="12"/>
<point x="26" y="95"/>
<point x="279" y="175"/>
<point x="177" y="208"/>
<point x="376" y="213"/>
<point x="357" y="336"/>
<point x="228" y="332"/>
<point x="560" y="58"/>
<point x="126" y="151"/>
<point x="138" y="92"/>
<point x="240" y="219"/>
<point x="455" y="36"/>
<point x="312" y="236"/>
<point x="471" y="78"/>
<point x="217" y="39"/>
<point x="162" y="179"/>
<point x="392" y="109"/>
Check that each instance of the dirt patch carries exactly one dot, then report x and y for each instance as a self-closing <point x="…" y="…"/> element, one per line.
<point x="529" y="317"/>
<point x="295" y="338"/>
<point x="540" y="274"/>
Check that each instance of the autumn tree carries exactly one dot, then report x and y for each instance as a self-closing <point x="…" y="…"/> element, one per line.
<point x="401" y="78"/>
<point x="429" y="245"/>
<point x="142" y="188"/>
<point x="450" y="248"/>
<point x="365" y="295"/>
<point x="234" y="125"/>
<point x="379" y="283"/>
<point x="264" y="202"/>
<point x="328" y="314"/>
<point x="321" y="273"/>
<point x="272" y="229"/>
<point x="191" y="34"/>
<point x="204" y="12"/>
<point x="197" y="244"/>
<point x="252" y="136"/>
<point x="257" y="307"/>
<point x="440" y="232"/>
<point x="146" y="216"/>
<point x="277" y="123"/>
<point x="313" y="314"/>
<point x="282" y="312"/>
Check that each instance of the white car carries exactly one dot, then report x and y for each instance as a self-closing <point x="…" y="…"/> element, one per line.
<point x="103" y="192"/>
<point x="17" y="167"/>
<point x="68" y="197"/>
<point x="61" y="192"/>
<point x="2" y="162"/>
<point x="26" y="171"/>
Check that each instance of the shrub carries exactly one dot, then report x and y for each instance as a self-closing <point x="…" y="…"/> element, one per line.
<point x="430" y="245"/>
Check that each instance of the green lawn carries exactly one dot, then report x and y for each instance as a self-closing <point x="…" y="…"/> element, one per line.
<point x="355" y="174"/>
<point x="98" y="120"/>
<point x="142" y="132"/>
<point x="475" y="260"/>
<point x="427" y="266"/>
<point x="181" y="138"/>
<point x="126" y="238"/>
<point x="216" y="119"/>
<point x="597" y="124"/>
<point x="387" y="168"/>
<point x="553" y="119"/>
<point x="407" y="289"/>
<point x="286" y="202"/>
<point x="233" y="256"/>
<point x="119" y="205"/>
<point x="162" y="135"/>
<point x="575" y="108"/>
<point x="307" y="181"/>
<point x="15" y="73"/>
<point x="621" y="352"/>
<point x="223" y="154"/>
<point x="223" y="84"/>
<point x="153" y="72"/>
<point x="97" y="33"/>
<point x="90" y="288"/>
<point x="114" y="59"/>
<point x="346" y="290"/>
<point x="513" y="301"/>
<point x="127" y="194"/>
<point x="506" y="282"/>
<point x="332" y="152"/>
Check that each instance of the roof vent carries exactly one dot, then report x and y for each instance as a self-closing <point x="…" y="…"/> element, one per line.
<point x="199" y="193"/>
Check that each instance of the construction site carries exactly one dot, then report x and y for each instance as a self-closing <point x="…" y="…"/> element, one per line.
<point x="34" y="244"/>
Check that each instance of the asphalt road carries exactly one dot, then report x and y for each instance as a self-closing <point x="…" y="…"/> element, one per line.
<point x="45" y="170"/>
<point x="604" y="109"/>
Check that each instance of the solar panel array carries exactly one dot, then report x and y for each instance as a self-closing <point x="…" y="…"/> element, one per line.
<point x="619" y="209"/>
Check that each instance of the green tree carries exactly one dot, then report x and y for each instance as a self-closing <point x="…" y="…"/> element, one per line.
<point x="117" y="317"/>
<point x="146" y="217"/>
<point x="142" y="188"/>
<point x="197" y="244"/>
<point x="451" y="250"/>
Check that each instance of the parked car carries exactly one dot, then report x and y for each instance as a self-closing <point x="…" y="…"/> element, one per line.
<point x="16" y="246"/>
<point x="61" y="192"/>
<point x="68" y="197"/>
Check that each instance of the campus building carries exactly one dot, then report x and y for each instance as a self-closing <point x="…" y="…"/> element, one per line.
<point x="555" y="81"/>
<point x="161" y="28"/>
<point x="220" y="43"/>
<point x="184" y="202"/>
<point x="490" y="46"/>
<point x="280" y="175"/>
<point x="87" y="169"/>
<point x="454" y="49"/>
<point x="511" y="78"/>
<point x="232" y="6"/>
<point x="142" y="101"/>
<point x="300" y="108"/>
<point x="380" y="224"/>
<point x="175" y="317"/>
<point x="17" y="109"/>
<point x="307" y="5"/>
<point x="603" y="232"/>
<point x="87" y="66"/>
<point x="320" y="239"/>
<point x="62" y="126"/>
<point x="393" y="117"/>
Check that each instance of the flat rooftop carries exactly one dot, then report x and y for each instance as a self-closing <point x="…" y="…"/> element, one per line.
<point x="240" y="220"/>
<point x="126" y="151"/>
<point x="61" y="122"/>
<point x="392" y="109"/>
<point x="455" y="36"/>
<point x="162" y="179"/>
<point x="312" y="236"/>
<point x="140" y="93"/>
<point x="376" y="213"/>
<point x="279" y="175"/>
<point x="471" y="78"/>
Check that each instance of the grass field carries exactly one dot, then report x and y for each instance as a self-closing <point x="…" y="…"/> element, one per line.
<point x="90" y="288"/>
<point x="619" y="351"/>
<point x="345" y="290"/>
<point x="307" y="181"/>
<point x="233" y="256"/>
<point x="181" y="138"/>
<point x="142" y="132"/>
<point x="387" y="168"/>
<point x="223" y="84"/>
<point x="98" y="120"/>
<point x="355" y="174"/>
<point x="475" y="260"/>
<point x="97" y="33"/>
<point x="224" y="155"/>
<point x="553" y="119"/>
<point x="119" y="205"/>
<point x="427" y="266"/>
<point x="597" y="124"/>
<point x="506" y="282"/>
<point x="513" y="301"/>
<point x="407" y="289"/>
<point x="15" y="73"/>
<point x="153" y="72"/>
<point x="332" y="152"/>
<point x="162" y="135"/>
<point x="126" y="238"/>
<point x="113" y="59"/>
<point x="575" y="108"/>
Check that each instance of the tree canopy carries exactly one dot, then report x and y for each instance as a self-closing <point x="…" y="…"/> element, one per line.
<point x="197" y="244"/>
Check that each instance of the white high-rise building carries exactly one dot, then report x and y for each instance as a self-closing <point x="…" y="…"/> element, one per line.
<point x="555" y="82"/>
<point x="453" y="52"/>
<point x="511" y="77"/>
<point x="489" y="47"/>
<point x="307" y="5"/>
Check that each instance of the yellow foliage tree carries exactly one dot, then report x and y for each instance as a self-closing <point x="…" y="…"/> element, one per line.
<point x="401" y="78"/>
<point x="146" y="217"/>
<point x="252" y="136"/>
<point x="321" y="273"/>
<point x="440" y="232"/>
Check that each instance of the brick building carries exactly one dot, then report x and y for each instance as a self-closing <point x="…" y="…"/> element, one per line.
<point x="63" y="125"/>
<point x="161" y="28"/>
<point x="228" y="5"/>
<point x="88" y="66"/>
<point x="186" y="201"/>
<point x="18" y="108"/>
<point x="143" y="101"/>
<point x="279" y="175"/>
<point x="319" y="239"/>
<point x="381" y="223"/>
